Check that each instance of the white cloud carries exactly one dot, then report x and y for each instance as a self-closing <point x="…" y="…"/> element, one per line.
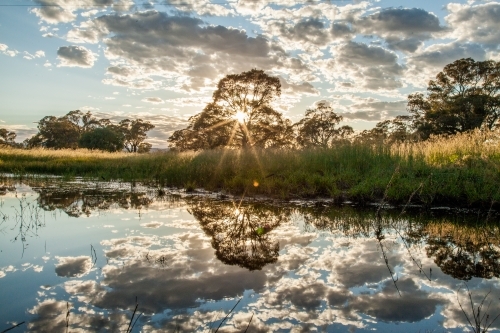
<point x="4" y="49"/>
<point x="477" y="23"/>
<point x="75" y="56"/>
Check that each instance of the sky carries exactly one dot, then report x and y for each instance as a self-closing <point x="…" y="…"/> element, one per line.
<point x="161" y="60"/>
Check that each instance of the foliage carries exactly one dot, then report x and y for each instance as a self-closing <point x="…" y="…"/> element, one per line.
<point x="397" y="130"/>
<point x="77" y="129"/>
<point x="463" y="97"/>
<point x="102" y="138"/>
<point x="459" y="170"/>
<point x="318" y="128"/>
<point x="240" y="115"/>
<point x="7" y="138"/>
<point x="134" y="132"/>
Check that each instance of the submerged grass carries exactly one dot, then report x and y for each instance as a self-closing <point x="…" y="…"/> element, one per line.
<point x="461" y="170"/>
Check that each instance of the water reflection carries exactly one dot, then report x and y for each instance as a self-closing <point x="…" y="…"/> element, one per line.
<point x="464" y="251"/>
<point x="83" y="201"/>
<point x="297" y="269"/>
<point x="241" y="233"/>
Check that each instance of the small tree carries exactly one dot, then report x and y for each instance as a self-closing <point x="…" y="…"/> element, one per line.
<point x="240" y="115"/>
<point x="134" y="133"/>
<point x="464" y="96"/>
<point x="318" y="128"/>
<point x="7" y="138"/>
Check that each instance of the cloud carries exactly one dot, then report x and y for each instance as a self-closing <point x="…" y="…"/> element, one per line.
<point x="75" y="56"/>
<point x="375" y="110"/>
<point x="303" y="34"/>
<point x="475" y="23"/>
<point x="184" y="52"/>
<point x="404" y="29"/>
<point x="430" y="61"/>
<point x="200" y="7"/>
<point x="4" y="49"/>
<point x="73" y="266"/>
<point x="63" y="11"/>
<point x="153" y="100"/>
<point x="372" y="67"/>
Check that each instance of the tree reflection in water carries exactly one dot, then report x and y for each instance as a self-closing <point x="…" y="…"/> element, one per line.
<point x="461" y="249"/>
<point x="464" y="251"/>
<point x="241" y="234"/>
<point x="82" y="201"/>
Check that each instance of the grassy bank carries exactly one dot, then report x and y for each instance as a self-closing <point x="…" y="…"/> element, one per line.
<point x="463" y="170"/>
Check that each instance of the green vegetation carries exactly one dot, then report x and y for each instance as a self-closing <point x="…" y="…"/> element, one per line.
<point x="461" y="170"/>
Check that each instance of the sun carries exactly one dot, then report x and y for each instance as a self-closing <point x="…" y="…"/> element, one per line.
<point x="240" y="117"/>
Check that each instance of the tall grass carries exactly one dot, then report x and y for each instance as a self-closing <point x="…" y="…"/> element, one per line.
<point x="460" y="170"/>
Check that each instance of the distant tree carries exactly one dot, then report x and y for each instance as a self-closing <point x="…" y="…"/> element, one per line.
<point x="108" y="138"/>
<point x="134" y="133"/>
<point x="57" y="133"/>
<point x="319" y="128"/>
<point x="240" y="115"/>
<point x="85" y="121"/>
<point x="7" y="138"/>
<point x="399" y="129"/>
<point x="464" y="96"/>
<point x="66" y="131"/>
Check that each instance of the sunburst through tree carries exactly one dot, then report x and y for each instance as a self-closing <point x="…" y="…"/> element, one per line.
<point x="239" y="116"/>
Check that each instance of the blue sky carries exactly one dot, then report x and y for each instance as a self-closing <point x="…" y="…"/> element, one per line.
<point x="161" y="60"/>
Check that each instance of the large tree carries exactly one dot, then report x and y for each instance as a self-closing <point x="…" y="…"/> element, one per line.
<point x="319" y="128"/>
<point x="464" y="96"/>
<point x="240" y="115"/>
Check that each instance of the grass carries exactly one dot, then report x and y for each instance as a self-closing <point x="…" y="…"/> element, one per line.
<point x="461" y="170"/>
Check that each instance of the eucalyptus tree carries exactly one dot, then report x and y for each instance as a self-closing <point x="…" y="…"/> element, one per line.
<point x="319" y="128"/>
<point x="7" y="138"/>
<point x="464" y="96"/>
<point x="240" y="116"/>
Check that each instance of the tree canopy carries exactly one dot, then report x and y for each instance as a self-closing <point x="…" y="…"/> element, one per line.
<point x="77" y="129"/>
<point x="7" y="138"/>
<point x="464" y="96"/>
<point x="319" y="128"/>
<point x="240" y="115"/>
<point x="134" y="132"/>
<point x="103" y="138"/>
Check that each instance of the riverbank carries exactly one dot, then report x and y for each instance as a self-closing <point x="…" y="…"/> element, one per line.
<point x="460" y="171"/>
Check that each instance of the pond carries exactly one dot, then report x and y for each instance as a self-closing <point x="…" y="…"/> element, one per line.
<point x="82" y="256"/>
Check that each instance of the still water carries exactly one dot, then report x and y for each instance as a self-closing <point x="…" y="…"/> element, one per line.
<point x="79" y="256"/>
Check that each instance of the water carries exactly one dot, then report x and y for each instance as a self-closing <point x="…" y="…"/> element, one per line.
<point x="80" y="256"/>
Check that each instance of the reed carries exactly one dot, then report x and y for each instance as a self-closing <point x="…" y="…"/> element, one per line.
<point x="459" y="170"/>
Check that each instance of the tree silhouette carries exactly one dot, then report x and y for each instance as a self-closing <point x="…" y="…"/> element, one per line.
<point x="240" y="115"/>
<point x="464" y="96"/>
<point x="240" y="235"/>
<point x="7" y="138"/>
<point x="399" y="129"/>
<point x="318" y="128"/>
<point x="108" y="138"/>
